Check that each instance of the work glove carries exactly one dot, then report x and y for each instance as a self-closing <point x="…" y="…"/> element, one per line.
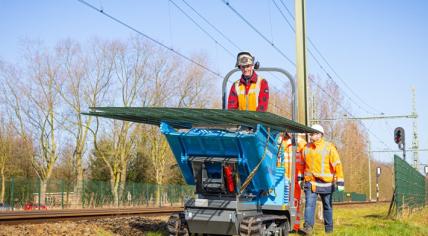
<point x="340" y="188"/>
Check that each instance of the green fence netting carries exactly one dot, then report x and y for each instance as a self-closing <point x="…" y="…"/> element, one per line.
<point x="20" y="193"/>
<point x="409" y="186"/>
<point x="349" y="197"/>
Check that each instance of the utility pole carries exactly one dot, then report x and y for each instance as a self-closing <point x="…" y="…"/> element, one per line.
<point x="301" y="61"/>
<point x="301" y="74"/>
<point x="415" y="141"/>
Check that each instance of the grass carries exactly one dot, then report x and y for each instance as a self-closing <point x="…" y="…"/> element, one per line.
<point x="103" y="232"/>
<point x="372" y="220"/>
<point x="154" y="233"/>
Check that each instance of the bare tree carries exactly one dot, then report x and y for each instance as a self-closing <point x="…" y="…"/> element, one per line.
<point x="84" y="82"/>
<point x="193" y="85"/>
<point x="6" y="152"/>
<point x="35" y="103"/>
<point x="129" y="68"/>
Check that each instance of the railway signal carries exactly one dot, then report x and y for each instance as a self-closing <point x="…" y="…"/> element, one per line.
<point x="399" y="138"/>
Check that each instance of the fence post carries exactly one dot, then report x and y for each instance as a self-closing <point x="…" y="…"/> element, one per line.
<point x="160" y="195"/>
<point x="83" y="193"/>
<point x="40" y="190"/>
<point x="133" y="194"/>
<point x="100" y="193"/>
<point x="12" y="186"/>
<point x="62" y="194"/>
<point x="147" y="195"/>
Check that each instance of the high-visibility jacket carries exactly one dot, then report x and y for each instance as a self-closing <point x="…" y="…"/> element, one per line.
<point x="248" y="101"/>
<point x="287" y="149"/>
<point x="322" y="166"/>
<point x="300" y="166"/>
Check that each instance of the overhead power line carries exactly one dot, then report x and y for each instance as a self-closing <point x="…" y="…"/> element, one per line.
<point x="210" y="24"/>
<point x="409" y="150"/>
<point x="201" y="28"/>
<point x="328" y="75"/>
<point x="274" y="46"/>
<point x="326" y="62"/>
<point x="349" y="113"/>
<point x="412" y="116"/>
<point x="259" y="33"/>
<point x="156" y="41"/>
<point x="148" y="37"/>
<point x="210" y="36"/>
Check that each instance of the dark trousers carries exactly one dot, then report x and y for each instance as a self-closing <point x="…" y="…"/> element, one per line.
<point x="327" y="202"/>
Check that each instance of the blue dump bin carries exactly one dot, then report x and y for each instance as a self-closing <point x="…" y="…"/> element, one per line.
<point x="246" y="147"/>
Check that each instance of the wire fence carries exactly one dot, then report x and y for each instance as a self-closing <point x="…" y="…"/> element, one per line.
<point x="349" y="197"/>
<point x="410" y="186"/>
<point x="28" y="194"/>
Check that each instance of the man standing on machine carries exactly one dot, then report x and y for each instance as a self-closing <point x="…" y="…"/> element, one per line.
<point x="250" y="92"/>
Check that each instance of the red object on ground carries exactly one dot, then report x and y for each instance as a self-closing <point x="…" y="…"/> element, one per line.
<point x="32" y="207"/>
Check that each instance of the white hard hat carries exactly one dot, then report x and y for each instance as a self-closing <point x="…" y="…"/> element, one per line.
<point x="318" y="128"/>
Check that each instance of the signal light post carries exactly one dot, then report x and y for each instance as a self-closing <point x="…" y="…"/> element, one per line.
<point x="399" y="138"/>
<point x="378" y="171"/>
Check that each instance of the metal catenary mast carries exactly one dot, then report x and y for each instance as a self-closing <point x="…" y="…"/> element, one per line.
<point x="415" y="141"/>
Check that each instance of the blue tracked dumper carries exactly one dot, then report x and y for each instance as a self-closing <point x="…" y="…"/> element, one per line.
<point x="231" y="157"/>
<point x="203" y="155"/>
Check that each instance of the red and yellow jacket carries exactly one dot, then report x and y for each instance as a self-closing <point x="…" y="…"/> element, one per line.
<point x="251" y="95"/>
<point x="322" y="166"/>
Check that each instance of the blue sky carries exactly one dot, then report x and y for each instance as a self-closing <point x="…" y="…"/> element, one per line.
<point x="377" y="47"/>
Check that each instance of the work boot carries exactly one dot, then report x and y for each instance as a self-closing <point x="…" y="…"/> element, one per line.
<point x="307" y="230"/>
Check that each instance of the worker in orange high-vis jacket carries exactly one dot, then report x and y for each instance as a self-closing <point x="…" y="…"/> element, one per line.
<point x="299" y="165"/>
<point x="323" y="171"/>
<point x="250" y="92"/>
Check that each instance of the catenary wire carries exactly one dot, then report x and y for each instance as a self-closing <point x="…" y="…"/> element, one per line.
<point x="314" y="57"/>
<point x="150" y="38"/>
<point x="349" y="113"/>
<point x="201" y="28"/>
<point x="210" y="24"/>
<point x="259" y="33"/>
<point x="325" y="60"/>
<point x="185" y="57"/>
<point x="328" y="64"/>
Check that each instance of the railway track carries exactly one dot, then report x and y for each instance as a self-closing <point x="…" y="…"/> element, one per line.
<point x="42" y="216"/>
<point x="17" y="217"/>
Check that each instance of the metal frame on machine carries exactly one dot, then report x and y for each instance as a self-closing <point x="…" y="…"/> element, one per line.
<point x="293" y="135"/>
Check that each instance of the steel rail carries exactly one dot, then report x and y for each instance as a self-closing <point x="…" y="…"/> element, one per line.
<point x="40" y="216"/>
